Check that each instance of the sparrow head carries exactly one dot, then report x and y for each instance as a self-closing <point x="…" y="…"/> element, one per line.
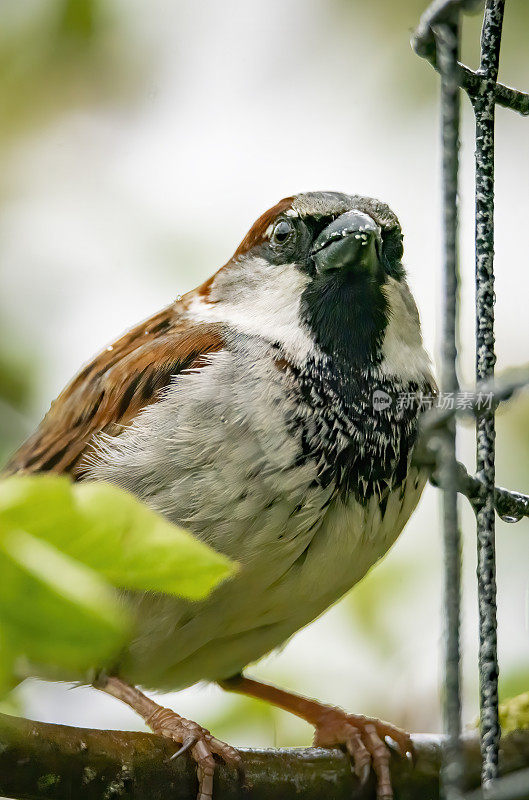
<point x="321" y="271"/>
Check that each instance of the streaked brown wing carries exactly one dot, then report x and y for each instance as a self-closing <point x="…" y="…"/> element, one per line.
<point x="108" y="393"/>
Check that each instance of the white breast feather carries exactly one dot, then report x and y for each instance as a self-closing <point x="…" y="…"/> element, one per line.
<point x="230" y="476"/>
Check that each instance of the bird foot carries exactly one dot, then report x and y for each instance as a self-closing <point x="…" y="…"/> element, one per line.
<point x="199" y="741"/>
<point x="364" y="738"/>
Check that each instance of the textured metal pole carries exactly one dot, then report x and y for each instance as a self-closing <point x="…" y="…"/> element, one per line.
<point x="484" y="107"/>
<point x="447" y="36"/>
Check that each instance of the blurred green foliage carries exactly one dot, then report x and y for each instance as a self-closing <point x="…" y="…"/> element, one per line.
<point x="18" y="374"/>
<point x="78" y="20"/>
<point x="370" y="604"/>
<point x="514" y="713"/>
<point x="15" y="380"/>
<point x="514" y="682"/>
<point x="63" y="547"/>
<point x="244" y="716"/>
<point x="59" y="54"/>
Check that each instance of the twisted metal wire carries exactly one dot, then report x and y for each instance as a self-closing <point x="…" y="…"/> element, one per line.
<point x="425" y="45"/>
<point x="447" y="36"/>
<point x="437" y="40"/>
<point x="484" y="109"/>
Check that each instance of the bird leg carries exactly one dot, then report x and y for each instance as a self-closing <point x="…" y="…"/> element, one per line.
<point x="189" y="735"/>
<point x="364" y="738"/>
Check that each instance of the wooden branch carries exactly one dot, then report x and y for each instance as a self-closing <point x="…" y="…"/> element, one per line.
<point x="39" y="761"/>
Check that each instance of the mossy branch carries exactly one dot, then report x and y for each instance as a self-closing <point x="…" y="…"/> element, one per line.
<point x="39" y="761"/>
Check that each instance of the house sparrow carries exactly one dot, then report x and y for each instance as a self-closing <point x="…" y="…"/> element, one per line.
<point x="259" y="412"/>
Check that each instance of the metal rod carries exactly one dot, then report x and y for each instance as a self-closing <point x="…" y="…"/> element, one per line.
<point x="447" y="36"/>
<point x="424" y="43"/>
<point x="484" y="108"/>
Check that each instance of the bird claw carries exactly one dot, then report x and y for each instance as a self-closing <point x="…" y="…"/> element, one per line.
<point x="190" y="741"/>
<point x="365" y="772"/>
<point x="364" y="739"/>
<point x="203" y="746"/>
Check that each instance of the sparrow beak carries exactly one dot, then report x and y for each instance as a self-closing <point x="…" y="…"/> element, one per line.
<point x="351" y="241"/>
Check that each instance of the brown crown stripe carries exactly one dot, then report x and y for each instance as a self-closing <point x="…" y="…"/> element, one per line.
<point x="256" y="234"/>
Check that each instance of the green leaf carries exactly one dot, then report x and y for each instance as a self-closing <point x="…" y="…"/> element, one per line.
<point x="139" y="549"/>
<point x="113" y="533"/>
<point x="54" y="610"/>
<point x="8" y="658"/>
<point x="61" y="547"/>
<point x="43" y="505"/>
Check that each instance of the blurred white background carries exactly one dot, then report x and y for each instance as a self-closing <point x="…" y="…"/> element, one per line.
<point x="140" y="141"/>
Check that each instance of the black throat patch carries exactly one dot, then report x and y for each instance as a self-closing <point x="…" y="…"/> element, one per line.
<point x="347" y="314"/>
<point x="358" y="427"/>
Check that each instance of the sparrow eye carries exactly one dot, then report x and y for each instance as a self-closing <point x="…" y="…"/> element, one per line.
<point x="282" y="231"/>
